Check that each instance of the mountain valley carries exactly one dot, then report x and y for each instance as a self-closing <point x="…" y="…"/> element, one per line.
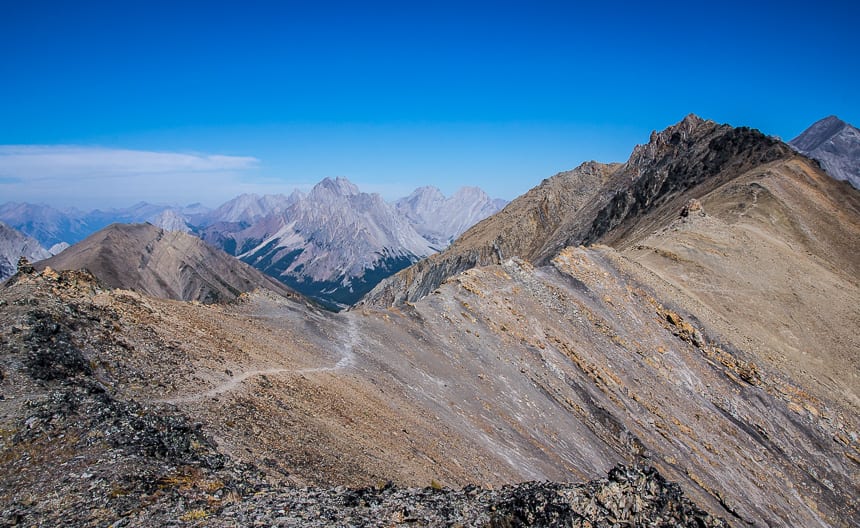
<point x="333" y="244"/>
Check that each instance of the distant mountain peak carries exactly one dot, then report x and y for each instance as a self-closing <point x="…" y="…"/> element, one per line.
<point x="171" y="220"/>
<point x="440" y="220"/>
<point x="835" y="144"/>
<point x="340" y="186"/>
<point x="818" y="133"/>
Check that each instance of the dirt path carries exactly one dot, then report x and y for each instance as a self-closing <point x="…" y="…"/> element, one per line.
<point x="347" y="350"/>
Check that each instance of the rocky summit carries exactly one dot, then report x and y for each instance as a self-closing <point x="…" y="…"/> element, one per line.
<point x="666" y="341"/>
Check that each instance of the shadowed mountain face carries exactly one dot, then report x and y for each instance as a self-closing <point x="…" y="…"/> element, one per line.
<point x="170" y="265"/>
<point x="836" y="145"/>
<point x="709" y="332"/>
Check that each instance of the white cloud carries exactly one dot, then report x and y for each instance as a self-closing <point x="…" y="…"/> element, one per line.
<point x="43" y="161"/>
<point x="105" y="177"/>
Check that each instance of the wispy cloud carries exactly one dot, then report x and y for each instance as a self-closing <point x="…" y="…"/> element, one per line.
<point x="98" y="177"/>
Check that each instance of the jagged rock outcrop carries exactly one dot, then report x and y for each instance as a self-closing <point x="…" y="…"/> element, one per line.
<point x="14" y="245"/>
<point x="441" y="219"/>
<point x="836" y="145"/>
<point x="171" y="265"/>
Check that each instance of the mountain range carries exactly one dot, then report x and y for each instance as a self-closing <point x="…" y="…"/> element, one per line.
<point x="687" y="317"/>
<point x="333" y="244"/>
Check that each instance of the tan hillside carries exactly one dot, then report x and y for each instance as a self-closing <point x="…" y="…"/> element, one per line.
<point x="171" y="265"/>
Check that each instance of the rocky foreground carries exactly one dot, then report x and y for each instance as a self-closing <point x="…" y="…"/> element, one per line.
<point x="629" y="497"/>
<point x="77" y="452"/>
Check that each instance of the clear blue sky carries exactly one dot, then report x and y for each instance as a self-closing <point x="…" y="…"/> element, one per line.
<point x="390" y="95"/>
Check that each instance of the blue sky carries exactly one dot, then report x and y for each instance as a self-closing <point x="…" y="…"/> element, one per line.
<point x="106" y="103"/>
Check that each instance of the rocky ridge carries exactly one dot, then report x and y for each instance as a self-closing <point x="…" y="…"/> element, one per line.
<point x="608" y="203"/>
